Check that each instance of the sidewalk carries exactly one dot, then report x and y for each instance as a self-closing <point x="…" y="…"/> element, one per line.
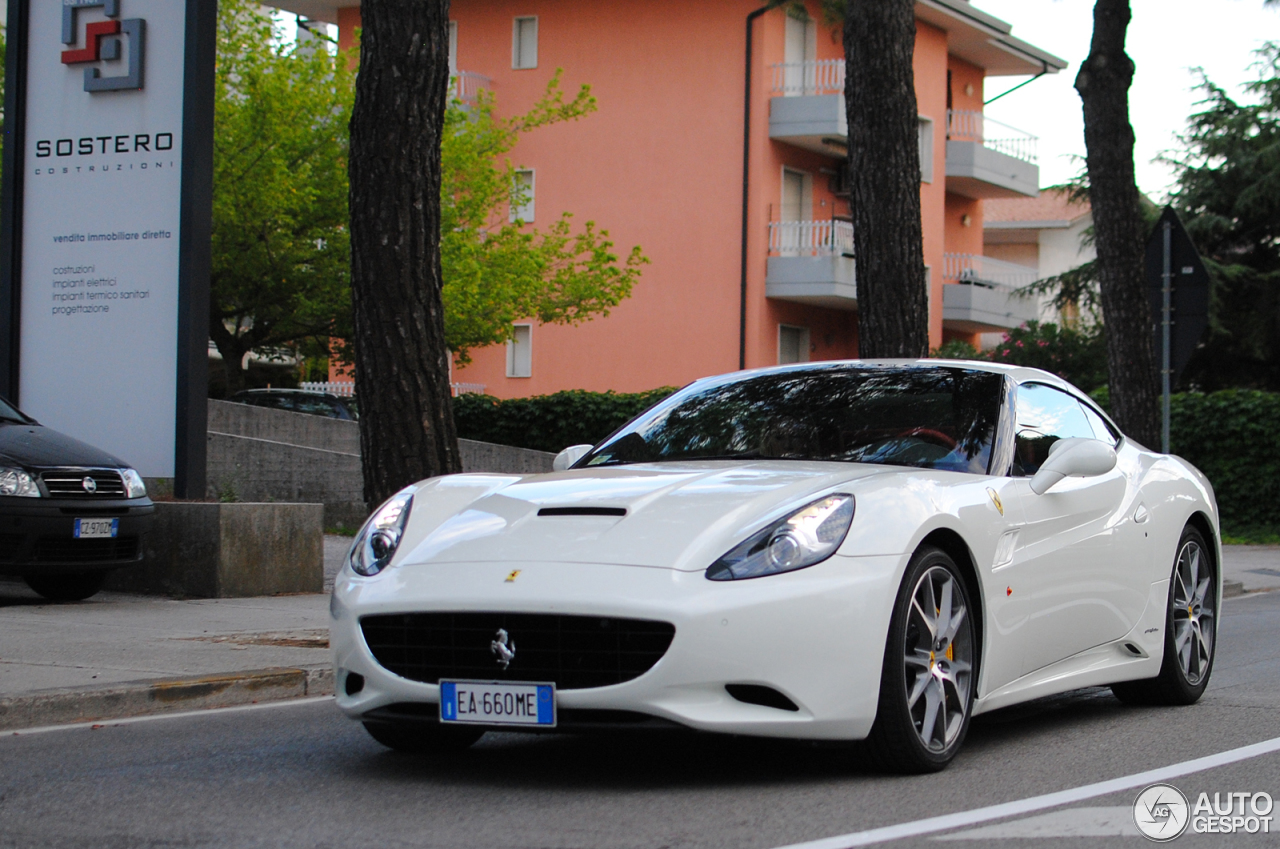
<point x="121" y="655"/>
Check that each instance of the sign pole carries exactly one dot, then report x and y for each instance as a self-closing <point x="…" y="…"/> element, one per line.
<point x="1165" y="327"/>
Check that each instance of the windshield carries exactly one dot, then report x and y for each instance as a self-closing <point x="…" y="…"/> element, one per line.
<point x="930" y="417"/>
<point x="10" y="413"/>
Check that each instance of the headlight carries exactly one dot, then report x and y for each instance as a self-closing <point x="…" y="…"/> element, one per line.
<point x="378" y="540"/>
<point x="18" y="483"/>
<point x="808" y="536"/>
<point x="133" y="485"/>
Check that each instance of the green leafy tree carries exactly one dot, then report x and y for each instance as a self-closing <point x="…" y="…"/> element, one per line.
<point x="1228" y="194"/>
<point x="497" y="270"/>
<point x="281" y="254"/>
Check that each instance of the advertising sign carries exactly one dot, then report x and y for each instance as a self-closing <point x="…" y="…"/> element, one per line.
<point x="97" y="209"/>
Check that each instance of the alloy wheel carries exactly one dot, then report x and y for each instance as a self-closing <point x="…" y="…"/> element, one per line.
<point x="938" y="654"/>
<point x="1194" y="596"/>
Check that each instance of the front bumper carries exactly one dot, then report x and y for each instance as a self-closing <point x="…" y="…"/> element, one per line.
<point x="36" y="535"/>
<point x="816" y="635"/>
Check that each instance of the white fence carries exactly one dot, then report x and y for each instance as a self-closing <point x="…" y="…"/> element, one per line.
<point x="973" y="126"/>
<point x="466" y="84"/>
<point x="985" y="271"/>
<point x="347" y="388"/>
<point x="821" y="76"/>
<point x="810" y="238"/>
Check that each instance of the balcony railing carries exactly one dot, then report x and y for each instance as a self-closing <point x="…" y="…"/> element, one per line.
<point x="985" y="271"/>
<point x="810" y="238"/>
<point x="821" y="76"/>
<point x="466" y="84"/>
<point x="971" y="126"/>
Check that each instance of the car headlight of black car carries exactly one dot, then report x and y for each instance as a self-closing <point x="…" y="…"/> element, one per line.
<point x="133" y="485"/>
<point x="16" y="482"/>
<point x="380" y="536"/>
<point x="808" y="536"/>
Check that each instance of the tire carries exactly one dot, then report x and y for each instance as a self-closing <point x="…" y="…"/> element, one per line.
<point x="1190" y="630"/>
<point x="422" y="738"/>
<point x="929" y="673"/>
<point x="73" y="586"/>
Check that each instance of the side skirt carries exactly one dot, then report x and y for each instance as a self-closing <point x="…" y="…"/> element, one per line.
<point x="1136" y="655"/>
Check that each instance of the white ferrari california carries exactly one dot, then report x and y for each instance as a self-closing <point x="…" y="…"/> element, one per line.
<point x="873" y="550"/>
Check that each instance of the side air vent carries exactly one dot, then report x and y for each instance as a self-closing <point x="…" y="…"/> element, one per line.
<point x="583" y="511"/>
<point x="758" y="694"/>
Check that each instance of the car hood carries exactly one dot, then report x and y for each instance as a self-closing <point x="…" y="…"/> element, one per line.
<point x="677" y="515"/>
<point x="36" y="446"/>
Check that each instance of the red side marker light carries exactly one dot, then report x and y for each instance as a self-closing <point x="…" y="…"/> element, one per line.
<point x="1008" y="591"/>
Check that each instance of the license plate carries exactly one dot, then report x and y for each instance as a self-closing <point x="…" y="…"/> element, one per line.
<point x="498" y="703"/>
<point x="96" y="528"/>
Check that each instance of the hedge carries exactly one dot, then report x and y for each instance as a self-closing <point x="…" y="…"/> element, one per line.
<point x="550" y="422"/>
<point x="1233" y="436"/>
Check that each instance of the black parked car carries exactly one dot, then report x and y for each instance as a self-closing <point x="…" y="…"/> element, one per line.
<point x="69" y="512"/>
<point x="298" y="401"/>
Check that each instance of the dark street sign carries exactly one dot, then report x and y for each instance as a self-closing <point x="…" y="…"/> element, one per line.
<point x="1189" y="298"/>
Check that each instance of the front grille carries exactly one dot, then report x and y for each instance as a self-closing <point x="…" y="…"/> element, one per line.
<point x="70" y="484"/>
<point x="574" y="652"/>
<point x="69" y="550"/>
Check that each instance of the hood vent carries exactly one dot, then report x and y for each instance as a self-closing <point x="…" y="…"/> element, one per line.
<point x="582" y="511"/>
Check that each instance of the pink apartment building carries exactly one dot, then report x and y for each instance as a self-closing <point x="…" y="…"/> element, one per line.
<point x="745" y="272"/>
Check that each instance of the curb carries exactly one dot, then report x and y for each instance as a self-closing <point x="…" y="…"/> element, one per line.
<point x="1232" y="589"/>
<point x="141" y="698"/>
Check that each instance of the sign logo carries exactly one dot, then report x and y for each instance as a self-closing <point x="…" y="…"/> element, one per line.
<point x="503" y="648"/>
<point x="1161" y="812"/>
<point x="102" y="42"/>
<point x="90" y="485"/>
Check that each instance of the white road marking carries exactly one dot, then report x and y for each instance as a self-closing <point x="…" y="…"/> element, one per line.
<point x="1070" y="822"/>
<point x="960" y="819"/>
<point x="110" y="723"/>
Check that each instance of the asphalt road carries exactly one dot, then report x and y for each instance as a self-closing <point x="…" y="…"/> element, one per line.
<point x="303" y="776"/>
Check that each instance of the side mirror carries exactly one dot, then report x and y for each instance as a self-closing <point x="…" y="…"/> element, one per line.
<point x="1075" y="457"/>
<point x="569" y="456"/>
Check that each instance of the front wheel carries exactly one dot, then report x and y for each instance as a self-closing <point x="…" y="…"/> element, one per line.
<point x="73" y="586"/>
<point x="1190" y="630"/>
<point x="926" y="683"/>
<point x="422" y="738"/>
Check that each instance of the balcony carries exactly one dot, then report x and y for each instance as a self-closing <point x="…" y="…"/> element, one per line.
<point x="987" y="159"/>
<point x="979" y="294"/>
<point x="807" y="106"/>
<point x="465" y="85"/>
<point x="811" y="262"/>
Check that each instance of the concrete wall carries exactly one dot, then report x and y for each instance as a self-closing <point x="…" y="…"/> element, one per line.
<point x="259" y="454"/>
<point x="201" y="550"/>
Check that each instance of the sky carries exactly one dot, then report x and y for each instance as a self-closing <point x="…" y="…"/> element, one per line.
<point x="1166" y="39"/>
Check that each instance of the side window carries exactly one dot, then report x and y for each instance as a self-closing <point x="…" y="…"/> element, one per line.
<point x="1045" y="415"/>
<point x="1101" y="429"/>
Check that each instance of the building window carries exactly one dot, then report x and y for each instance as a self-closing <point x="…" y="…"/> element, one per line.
<point x="522" y="197"/>
<point x="453" y="46"/>
<point x="520" y="351"/>
<point x="524" y="43"/>
<point x="926" y="148"/>
<point x="793" y="344"/>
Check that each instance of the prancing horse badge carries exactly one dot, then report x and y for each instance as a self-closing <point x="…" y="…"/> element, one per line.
<point x="995" y="499"/>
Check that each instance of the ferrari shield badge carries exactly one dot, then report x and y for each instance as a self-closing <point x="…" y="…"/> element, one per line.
<point x="995" y="499"/>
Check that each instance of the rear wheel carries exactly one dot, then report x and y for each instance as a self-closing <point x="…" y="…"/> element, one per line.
<point x="1190" y="630"/>
<point x="422" y="738"/>
<point x="926" y="683"/>
<point x="73" y="586"/>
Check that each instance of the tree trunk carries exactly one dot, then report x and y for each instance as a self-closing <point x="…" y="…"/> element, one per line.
<point x="1103" y="83"/>
<point x="401" y="362"/>
<point x="232" y="351"/>
<point x="884" y="160"/>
